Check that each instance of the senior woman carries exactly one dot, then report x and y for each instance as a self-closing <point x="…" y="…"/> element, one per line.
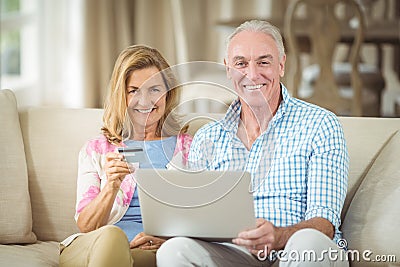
<point x="138" y="112"/>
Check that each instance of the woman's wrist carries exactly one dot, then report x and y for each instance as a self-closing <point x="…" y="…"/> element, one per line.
<point x="112" y="186"/>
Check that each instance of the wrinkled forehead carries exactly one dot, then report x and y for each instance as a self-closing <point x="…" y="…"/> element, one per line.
<point x="250" y="45"/>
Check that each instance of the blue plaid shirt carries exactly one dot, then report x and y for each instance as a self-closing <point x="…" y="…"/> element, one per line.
<point x="299" y="165"/>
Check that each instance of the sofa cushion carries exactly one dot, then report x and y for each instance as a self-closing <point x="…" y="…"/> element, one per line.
<point x="41" y="254"/>
<point x="15" y="205"/>
<point x="53" y="138"/>
<point x="372" y="219"/>
<point x="365" y="138"/>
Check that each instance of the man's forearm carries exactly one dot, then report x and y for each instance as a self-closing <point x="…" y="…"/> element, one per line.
<point x="318" y="223"/>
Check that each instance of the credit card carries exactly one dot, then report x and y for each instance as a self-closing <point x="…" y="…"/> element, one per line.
<point x="133" y="154"/>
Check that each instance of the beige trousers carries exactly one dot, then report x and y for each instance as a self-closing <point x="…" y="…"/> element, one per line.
<point x="182" y="251"/>
<point x="107" y="246"/>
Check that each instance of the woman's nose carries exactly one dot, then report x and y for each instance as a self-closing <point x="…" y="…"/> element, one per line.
<point x="143" y="99"/>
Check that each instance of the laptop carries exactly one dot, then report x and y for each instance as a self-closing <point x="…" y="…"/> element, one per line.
<point x="209" y="205"/>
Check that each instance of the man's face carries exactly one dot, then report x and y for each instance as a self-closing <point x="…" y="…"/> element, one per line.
<point x="255" y="68"/>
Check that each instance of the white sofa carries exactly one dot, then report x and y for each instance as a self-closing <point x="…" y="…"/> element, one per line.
<point x="38" y="167"/>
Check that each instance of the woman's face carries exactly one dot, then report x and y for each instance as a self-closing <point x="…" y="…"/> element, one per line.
<point x="146" y="99"/>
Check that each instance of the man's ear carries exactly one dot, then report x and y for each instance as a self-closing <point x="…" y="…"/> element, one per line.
<point x="282" y="66"/>
<point x="227" y="69"/>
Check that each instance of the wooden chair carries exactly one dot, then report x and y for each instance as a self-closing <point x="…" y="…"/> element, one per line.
<point x="346" y="88"/>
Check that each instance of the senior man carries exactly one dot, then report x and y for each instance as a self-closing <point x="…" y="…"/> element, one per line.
<point x="297" y="157"/>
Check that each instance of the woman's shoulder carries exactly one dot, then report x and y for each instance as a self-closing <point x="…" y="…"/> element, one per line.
<point x="183" y="142"/>
<point x="99" y="145"/>
<point x="181" y="154"/>
<point x="185" y="138"/>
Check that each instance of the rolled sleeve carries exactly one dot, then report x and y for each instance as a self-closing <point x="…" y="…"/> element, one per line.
<point x="328" y="174"/>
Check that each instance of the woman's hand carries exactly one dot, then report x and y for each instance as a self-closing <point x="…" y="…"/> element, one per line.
<point x="146" y="242"/>
<point x="116" y="169"/>
<point x="95" y="214"/>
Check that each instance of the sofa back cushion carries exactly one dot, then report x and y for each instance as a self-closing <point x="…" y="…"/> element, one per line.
<point x="15" y="205"/>
<point x="365" y="138"/>
<point x="196" y="120"/>
<point x="372" y="219"/>
<point x="53" y="138"/>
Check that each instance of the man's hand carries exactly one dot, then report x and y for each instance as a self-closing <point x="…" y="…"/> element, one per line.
<point x="146" y="242"/>
<point x="264" y="235"/>
<point x="267" y="236"/>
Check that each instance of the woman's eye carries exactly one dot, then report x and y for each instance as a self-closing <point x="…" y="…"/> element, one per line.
<point x="155" y="89"/>
<point x="133" y="91"/>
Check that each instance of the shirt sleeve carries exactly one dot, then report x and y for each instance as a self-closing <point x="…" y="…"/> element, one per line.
<point x="184" y="142"/>
<point x="181" y="153"/>
<point x="328" y="173"/>
<point x="88" y="182"/>
<point x="200" y="151"/>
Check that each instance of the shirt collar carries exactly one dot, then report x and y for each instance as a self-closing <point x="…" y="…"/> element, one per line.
<point x="283" y="106"/>
<point x="232" y="116"/>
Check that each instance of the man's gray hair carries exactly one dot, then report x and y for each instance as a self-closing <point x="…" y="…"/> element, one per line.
<point x="259" y="26"/>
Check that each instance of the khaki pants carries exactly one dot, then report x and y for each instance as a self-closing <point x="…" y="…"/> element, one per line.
<point x="107" y="246"/>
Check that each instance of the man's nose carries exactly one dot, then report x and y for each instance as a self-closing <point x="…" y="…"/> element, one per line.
<point x="252" y="71"/>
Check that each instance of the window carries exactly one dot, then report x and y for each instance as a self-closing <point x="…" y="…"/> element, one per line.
<point x="18" y="44"/>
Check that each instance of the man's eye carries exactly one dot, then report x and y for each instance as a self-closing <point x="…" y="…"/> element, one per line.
<point x="240" y="64"/>
<point x="264" y="63"/>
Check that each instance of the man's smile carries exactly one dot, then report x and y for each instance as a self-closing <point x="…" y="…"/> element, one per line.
<point x="254" y="87"/>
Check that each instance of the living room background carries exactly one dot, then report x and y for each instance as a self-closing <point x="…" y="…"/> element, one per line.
<point x="66" y="48"/>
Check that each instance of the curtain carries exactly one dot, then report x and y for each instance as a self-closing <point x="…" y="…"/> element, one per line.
<point x="110" y="26"/>
<point x="59" y="53"/>
<point x="82" y="39"/>
<point x="107" y="31"/>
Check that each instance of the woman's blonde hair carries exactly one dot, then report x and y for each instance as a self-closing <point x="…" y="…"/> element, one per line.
<point x="133" y="58"/>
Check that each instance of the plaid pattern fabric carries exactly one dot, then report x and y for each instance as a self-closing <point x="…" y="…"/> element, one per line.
<point x="299" y="165"/>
